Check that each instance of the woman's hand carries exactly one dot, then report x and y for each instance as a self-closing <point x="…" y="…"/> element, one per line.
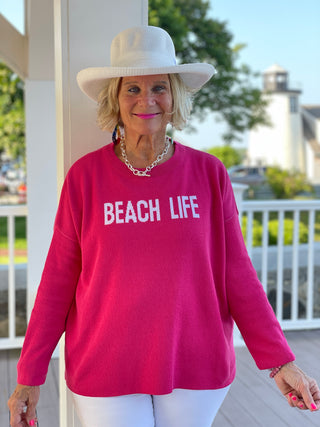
<point x="24" y="397"/>
<point x="300" y="390"/>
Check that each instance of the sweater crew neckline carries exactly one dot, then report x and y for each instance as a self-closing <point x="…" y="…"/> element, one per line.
<point x="165" y="167"/>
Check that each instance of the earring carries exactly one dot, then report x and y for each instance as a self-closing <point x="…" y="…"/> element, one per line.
<point x="116" y="135"/>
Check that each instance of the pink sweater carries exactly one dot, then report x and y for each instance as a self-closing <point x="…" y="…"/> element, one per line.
<point x="145" y="276"/>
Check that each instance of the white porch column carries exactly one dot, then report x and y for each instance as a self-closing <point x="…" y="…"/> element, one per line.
<point x="40" y="138"/>
<point x="83" y="33"/>
<point x="238" y="190"/>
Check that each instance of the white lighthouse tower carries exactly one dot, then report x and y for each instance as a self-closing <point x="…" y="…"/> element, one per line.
<point x="282" y="143"/>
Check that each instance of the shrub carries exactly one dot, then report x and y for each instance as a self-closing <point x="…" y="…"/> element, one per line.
<point x="273" y="232"/>
<point x="287" y="184"/>
<point x="256" y="232"/>
<point x="287" y="233"/>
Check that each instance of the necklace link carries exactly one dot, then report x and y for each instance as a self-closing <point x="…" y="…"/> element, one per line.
<point x="148" y="169"/>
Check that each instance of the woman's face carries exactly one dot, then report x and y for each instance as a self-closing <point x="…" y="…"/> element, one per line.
<point x="145" y="103"/>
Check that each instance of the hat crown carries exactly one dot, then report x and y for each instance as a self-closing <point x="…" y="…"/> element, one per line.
<point x="142" y="47"/>
<point x="142" y="51"/>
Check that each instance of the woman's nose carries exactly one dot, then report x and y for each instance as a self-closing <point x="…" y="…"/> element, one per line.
<point x="147" y="99"/>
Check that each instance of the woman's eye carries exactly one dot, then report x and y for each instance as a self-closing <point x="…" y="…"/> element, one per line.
<point x="159" y="88"/>
<point x="155" y="89"/>
<point x="134" y="89"/>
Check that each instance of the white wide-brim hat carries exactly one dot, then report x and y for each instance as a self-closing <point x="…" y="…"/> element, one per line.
<point x="142" y="51"/>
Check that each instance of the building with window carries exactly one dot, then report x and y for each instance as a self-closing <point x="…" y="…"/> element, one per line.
<point x="311" y="131"/>
<point x="292" y="139"/>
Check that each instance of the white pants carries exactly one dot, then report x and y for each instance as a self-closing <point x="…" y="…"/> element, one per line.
<point x="181" y="408"/>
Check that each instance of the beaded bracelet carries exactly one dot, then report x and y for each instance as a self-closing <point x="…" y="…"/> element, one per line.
<point x="274" y="371"/>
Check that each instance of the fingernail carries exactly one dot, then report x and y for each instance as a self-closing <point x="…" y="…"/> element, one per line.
<point x="294" y="398"/>
<point x="301" y="405"/>
<point x="32" y="422"/>
<point x="313" y="406"/>
<point x="290" y="394"/>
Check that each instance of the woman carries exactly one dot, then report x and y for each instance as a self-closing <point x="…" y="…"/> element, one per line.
<point x="147" y="267"/>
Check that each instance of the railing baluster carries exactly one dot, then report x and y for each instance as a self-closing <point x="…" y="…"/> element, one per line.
<point x="249" y="232"/>
<point x="280" y="266"/>
<point x="295" y="266"/>
<point x="310" y="269"/>
<point x="265" y="244"/>
<point x="11" y="279"/>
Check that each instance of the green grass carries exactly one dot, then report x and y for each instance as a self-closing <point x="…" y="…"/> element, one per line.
<point x="20" y="240"/>
<point x="4" y="260"/>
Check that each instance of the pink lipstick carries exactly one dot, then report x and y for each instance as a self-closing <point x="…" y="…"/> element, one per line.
<point x="146" y="116"/>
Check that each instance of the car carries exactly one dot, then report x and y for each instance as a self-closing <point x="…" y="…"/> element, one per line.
<point x="250" y="175"/>
<point x="13" y="179"/>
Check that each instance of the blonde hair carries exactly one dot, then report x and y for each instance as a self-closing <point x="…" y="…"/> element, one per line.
<point x="108" y="115"/>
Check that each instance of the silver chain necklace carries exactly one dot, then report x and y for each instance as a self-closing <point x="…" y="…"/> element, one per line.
<point x="146" y="171"/>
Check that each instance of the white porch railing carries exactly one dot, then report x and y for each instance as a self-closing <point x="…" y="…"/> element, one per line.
<point x="273" y="263"/>
<point x="279" y="267"/>
<point x="8" y="281"/>
<point x="290" y="274"/>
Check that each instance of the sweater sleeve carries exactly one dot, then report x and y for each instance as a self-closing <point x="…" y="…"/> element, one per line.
<point x="54" y="298"/>
<point x="249" y="304"/>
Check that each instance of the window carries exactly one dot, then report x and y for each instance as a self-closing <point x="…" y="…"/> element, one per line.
<point x="281" y="78"/>
<point x="293" y="104"/>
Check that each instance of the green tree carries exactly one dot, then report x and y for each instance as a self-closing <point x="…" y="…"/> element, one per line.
<point x="199" y="38"/>
<point x="228" y="155"/>
<point x="12" y="122"/>
<point x="287" y="184"/>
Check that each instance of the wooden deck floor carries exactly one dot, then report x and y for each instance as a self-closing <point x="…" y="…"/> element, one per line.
<point x="253" y="400"/>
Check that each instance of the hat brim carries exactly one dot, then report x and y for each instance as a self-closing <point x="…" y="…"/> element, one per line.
<point x="93" y="80"/>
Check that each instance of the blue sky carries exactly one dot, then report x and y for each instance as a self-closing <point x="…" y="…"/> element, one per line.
<point x="13" y="10"/>
<point x="286" y="32"/>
